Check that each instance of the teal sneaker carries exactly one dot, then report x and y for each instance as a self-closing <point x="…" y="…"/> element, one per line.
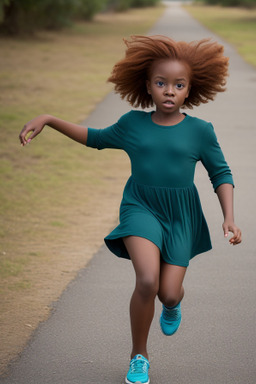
<point x="138" y="372"/>
<point x="170" y="319"/>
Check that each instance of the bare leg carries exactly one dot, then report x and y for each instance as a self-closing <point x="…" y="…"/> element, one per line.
<point x="171" y="290"/>
<point x="145" y="257"/>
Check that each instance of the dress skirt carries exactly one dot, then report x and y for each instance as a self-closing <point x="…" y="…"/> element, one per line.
<point x="171" y="218"/>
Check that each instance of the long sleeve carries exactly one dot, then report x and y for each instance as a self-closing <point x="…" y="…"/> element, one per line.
<point x="213" y="159"/>
<point x="110" y="137"/>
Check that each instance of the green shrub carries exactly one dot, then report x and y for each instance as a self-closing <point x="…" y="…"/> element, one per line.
<point x="123" y="5"/>
<point x="233" y="3"/>
<point x="144" y="3"/>
<point x="119" y="5"/>
<point x="55" y="14"/>
<point x="25" y="16"/>
<point x="86" y="9"/>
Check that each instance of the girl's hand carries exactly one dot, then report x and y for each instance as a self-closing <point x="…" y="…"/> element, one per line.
<point x="35" y="126"/>
<point x="73" y="131"/>
<point x="231" y="227"/>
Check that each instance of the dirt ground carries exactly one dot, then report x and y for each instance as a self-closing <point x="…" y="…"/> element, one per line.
<point x="61" y="257"/>
<point x="57" y="201"/>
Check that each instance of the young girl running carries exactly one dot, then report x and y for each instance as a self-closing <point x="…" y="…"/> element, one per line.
<point x="162" y="225"/>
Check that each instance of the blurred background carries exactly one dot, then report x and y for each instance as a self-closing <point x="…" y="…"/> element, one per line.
<point x="56" y="198"/>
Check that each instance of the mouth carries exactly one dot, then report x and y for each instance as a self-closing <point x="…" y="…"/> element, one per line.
<point x="168" y="103"/>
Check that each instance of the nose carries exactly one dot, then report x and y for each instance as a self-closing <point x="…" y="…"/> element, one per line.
<point x="169" y="90"/>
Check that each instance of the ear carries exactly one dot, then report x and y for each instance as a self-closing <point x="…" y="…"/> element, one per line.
<point x="148" y="87"/>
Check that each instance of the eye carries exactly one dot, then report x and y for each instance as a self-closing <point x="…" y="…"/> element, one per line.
<point x="180" y="86"/>
<point x="160" y="83"/>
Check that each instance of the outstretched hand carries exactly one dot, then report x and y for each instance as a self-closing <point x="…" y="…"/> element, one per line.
<point x="35" y="126"/>
<point x="237" y="234"/>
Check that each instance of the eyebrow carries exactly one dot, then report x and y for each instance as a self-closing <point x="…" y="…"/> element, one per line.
<point x="164" y="78"/>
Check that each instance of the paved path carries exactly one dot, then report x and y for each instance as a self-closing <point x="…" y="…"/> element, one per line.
<point x="87" y="338"/>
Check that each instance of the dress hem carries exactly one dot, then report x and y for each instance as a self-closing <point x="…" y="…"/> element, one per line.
<point x="122" y="253"/>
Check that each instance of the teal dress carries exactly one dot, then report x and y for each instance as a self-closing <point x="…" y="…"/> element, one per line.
<point x="160" y="201"/>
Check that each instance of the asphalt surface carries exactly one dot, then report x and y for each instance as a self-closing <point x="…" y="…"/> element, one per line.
<point x="87" y="338"/>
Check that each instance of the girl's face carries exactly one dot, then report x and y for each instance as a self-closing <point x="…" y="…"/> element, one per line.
<point x="169" y="84"/>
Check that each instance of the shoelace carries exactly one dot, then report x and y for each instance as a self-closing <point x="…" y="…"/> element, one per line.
<point x="170" y="314"/>
<point x="139" y="366"/>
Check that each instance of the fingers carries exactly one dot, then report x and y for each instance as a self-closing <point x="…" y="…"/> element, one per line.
<point x="237" y="238"/>
<point x="33" y="127"/>
<point x="237" y="234"/>
<point x="23" y="136"/>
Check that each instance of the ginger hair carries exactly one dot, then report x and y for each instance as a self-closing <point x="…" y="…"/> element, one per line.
<point x="208" y="68"/>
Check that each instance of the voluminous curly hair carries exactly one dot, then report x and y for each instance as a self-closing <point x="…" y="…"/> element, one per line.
<point x="208" y="68"/>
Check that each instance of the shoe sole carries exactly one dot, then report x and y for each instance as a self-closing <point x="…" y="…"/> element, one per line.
<point x="136" y="382"/>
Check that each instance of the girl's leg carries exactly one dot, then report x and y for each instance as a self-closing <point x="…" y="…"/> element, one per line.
<point x="171" y="293"/>
<point x="171" y="290"/>
<point x="145" y="257"/>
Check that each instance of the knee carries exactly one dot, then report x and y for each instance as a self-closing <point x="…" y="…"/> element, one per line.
<point x="147" y="286"/>
<point x="170" y="299"/>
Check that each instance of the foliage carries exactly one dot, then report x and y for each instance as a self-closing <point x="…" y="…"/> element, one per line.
<point x="232" y="3"/>
<point x="144" y="3"/>
<point x="122" y="5"/>
<point x="25" y="16"/>
<point x="86" y="9"/>
<point x="119" y="5"/>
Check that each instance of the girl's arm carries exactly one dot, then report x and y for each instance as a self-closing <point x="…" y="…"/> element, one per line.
<point x="225" y="195"/>
<point x="73" y="131"/>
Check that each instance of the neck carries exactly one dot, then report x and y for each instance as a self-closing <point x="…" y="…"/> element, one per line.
<point x="167" y="119"/>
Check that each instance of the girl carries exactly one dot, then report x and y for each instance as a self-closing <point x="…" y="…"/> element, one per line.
<point x="162" y="225"/>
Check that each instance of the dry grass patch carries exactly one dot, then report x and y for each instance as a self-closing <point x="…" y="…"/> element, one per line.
<point x="57" y="198"/>
<point x="236" y="25"/>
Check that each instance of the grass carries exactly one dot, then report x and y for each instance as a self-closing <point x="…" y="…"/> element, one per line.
<point x="9" y="268"/>
<point x="53" y="191"/>
<point x="236" y="25"/>
<point x="61" y="73"/>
